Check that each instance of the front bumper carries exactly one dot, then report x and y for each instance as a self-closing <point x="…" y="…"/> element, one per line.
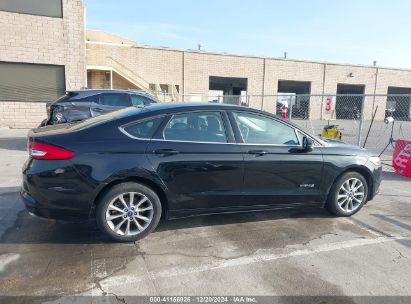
<point x="377" y="178"/>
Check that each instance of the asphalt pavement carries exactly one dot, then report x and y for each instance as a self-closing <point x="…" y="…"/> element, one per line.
<point x="280" y="253"/>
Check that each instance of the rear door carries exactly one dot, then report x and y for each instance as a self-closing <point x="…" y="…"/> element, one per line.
<point x="277" y="170"/>
<point x="109" y="102"/>
<point x="195" y="156"/>
<point x="76" y="107"/>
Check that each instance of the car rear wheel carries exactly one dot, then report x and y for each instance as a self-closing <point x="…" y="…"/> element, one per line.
<point x="128" y="212"/>
<point x="348" y="194"/>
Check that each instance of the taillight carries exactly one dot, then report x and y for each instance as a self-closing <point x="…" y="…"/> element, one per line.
<point x="39" y="150"/>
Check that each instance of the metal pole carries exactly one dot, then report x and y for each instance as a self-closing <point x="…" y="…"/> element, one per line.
<point x="369" y="129"/>
<point x="361" y="121"/>
<point x="322" y="96"/>
<point x="263" y="88"/>
<point x="111" y="79"/>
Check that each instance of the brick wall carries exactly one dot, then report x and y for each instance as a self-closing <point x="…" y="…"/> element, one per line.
<point x="43" y="40"/>
<point x="191" y="71"/>
<point x="98" y="80"/>
<point x="16" y="114"/>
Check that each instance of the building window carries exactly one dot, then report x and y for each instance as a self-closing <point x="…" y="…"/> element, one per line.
<point x="49" y="8"/>
<point x="348" y="101"/>
<point x="232" y="89"/>
<point x="398" y="104"/>
<point x="31" y="82"/>
<point x="164" y="88"/>
<point x="296" y="94"/>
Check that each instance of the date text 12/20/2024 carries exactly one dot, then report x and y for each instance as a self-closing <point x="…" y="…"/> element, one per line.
<point x="205" y="299"/>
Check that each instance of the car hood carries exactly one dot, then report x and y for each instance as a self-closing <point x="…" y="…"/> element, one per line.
<point x="339" y="147"/>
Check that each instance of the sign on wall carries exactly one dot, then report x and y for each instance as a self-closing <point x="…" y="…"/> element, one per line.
<point x="329" y="108"/>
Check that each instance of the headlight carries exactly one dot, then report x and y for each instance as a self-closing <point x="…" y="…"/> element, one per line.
<point x="375" y="160"/>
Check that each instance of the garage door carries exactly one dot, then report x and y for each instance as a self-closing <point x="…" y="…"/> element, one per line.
<point x="31" y="82"/>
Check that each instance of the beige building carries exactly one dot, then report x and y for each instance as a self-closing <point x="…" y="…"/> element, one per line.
<point x="42" y="54"/>
<point x="45" y="50"/>
<point x="115" y="62"/>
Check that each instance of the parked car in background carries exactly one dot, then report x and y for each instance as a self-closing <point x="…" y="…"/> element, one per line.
<point x="129" y="167"/>
<point x="83" y="104"/>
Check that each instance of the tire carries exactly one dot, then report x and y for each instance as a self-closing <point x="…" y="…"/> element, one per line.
<point x="133" y="224"/>
<point x="343" y="199"/>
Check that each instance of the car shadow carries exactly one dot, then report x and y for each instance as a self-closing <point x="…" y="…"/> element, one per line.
<point x="14" y="143"/>
<point x="28" y="229"/>
<point x="392" y="176"/>
<point x="393" y="221"/>
<point x="239" y="218"/>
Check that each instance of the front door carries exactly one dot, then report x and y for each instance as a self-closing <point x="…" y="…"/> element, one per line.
<point x="197" y="160"/>
<point x="277" y="171"/>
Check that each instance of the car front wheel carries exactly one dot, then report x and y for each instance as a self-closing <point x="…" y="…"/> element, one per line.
<point x="348" y="194"/>
<point x="128" y="212"/>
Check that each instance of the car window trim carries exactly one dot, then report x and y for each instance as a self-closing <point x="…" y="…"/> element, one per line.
<point x="233" y="127"/>
<point x="273" y="119"/>
<point x="123" y="127"/>
<point x="170" y="116"/>
<point x="228" y="127"/>
<point x="256" y="144"/>
<point x="240" y="140"/>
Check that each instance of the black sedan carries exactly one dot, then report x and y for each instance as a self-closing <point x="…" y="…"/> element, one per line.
<point x="131" y="167"/>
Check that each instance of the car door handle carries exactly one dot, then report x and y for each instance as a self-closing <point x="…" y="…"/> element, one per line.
<point x="258" y="152"/>
<point x="98" y="109"/>
<point x="166" y="152"/>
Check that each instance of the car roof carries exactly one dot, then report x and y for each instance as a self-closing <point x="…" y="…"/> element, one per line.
<point x="173" y="107"/>
<point x="177" y="106"/>
<point x="87" y="92"/>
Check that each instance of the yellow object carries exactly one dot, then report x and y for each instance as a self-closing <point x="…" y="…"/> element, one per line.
<point x="331" y="132"/>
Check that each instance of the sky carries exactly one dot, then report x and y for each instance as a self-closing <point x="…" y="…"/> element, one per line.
<point x="342" y="31"/>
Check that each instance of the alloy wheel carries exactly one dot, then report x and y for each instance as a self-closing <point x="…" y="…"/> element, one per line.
<point x="129" y="213"/>
<point x="351" y="195"/>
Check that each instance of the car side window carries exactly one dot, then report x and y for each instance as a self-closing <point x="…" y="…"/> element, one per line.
<point x="144" y="129"/>
<point x="139" y="100"/>
<point x="196" y="127"/>
<point x="257" y="129"/>
<point x="115" y="99"/>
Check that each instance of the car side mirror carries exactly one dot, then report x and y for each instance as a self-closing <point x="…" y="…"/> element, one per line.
<point x="307" y="144"/>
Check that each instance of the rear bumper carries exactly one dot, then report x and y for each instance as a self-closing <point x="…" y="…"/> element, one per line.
<point x="61" y="196"/>
<point x="38" y="209"/>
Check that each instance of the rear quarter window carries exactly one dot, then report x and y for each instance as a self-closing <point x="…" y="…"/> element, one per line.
<point x="97" y="120"/>
<point x="144" y="129"/>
